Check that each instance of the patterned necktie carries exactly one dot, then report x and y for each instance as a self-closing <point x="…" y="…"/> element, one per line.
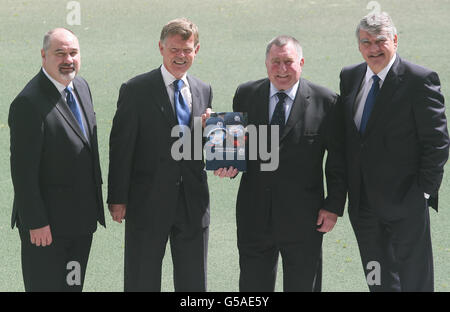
<point x="279" y="116"/>
<point x="182" y="109"/>
<point x="370" y="101"/>
<point x="74" y="108"/>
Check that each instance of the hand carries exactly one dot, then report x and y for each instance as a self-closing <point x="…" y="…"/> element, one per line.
<point x="224" y="172"/>
<point x="327" y="220"/>
<point x="117" y="212"/>
<point x="206" y="116"/>
<point x="41" y="237"/>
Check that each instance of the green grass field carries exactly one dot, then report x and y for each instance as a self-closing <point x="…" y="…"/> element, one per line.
<point x="119" y="39"/>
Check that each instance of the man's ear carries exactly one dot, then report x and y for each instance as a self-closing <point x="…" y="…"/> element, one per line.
<point x="161" y="47"/>
<point x="43" y="56"/>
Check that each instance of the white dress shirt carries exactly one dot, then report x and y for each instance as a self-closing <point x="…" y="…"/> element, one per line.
<point x="289" y="100"/>
<point x="185" y="90"/>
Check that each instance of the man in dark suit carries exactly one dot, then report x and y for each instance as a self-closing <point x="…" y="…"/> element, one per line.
<point x="283" y="211"/>
<point x="55" y="169"/>
<point x="396" y="148"/>
<point x="160" y="195"/>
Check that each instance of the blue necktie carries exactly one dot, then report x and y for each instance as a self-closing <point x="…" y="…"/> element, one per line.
<point x="74" y="108"/>
<point x="370" y="101"/>
<point x="279" y="115"/>
<point x="182" y="109"/>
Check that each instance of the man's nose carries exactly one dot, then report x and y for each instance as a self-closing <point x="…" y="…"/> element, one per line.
<point x="374" y="47"/>
<point x="68" y="59"/>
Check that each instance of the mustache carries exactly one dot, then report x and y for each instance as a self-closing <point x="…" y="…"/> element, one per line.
<point x="66" y="66"/>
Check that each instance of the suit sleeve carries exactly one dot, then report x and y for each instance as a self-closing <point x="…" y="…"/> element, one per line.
<point x="429" y="113"/>
<point x="237" y="103"/>
<point x="342" y="85"/>
<point x="27" y="138"/>
<point x="121" y="147"/>
<point x="335" y="166"/>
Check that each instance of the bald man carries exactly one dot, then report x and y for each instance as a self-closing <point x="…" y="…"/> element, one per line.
<point x="55" y="169"/>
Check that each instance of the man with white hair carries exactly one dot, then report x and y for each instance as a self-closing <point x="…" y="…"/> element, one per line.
<point x="396" y="146"/>
<point x="55" y="169"/>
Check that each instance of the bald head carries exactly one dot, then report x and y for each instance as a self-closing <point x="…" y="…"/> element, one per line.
<point x="57" y="32"/>
<point x="61" y="55"/>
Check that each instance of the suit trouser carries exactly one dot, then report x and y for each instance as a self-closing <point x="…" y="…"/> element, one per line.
<point x="61" y="266"/>
<point x="396" y="255"/>
<point x="145" y="249"/>
<point x="302" y="264"/>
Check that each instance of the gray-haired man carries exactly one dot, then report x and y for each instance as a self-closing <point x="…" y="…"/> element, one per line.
<point x="396" y="147"/>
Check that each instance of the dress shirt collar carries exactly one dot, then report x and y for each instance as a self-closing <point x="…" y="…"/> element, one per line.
<point x="58" y="85"/>
<point x="289" y="92"/>
<point x="169" y="78"/>
<point x="383" y="73"/>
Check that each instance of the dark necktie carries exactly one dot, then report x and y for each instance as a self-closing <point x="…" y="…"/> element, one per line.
<point x="279" y="115"/>
<point x="182" y="109"/>
<point x="74" y="108"/>
<point x="370" y="101"/>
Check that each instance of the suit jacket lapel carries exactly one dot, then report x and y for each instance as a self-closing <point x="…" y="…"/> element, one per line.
<point x="261" y="107"/>
<point x="56" y="99"/>
<point x="298" y="108"/>
<point x="85" y="100"/>
<point x="197" y="108"/>
<point x="162" y="99"/>
<point x="49" y="88"/>
<point x="68" y="117"/>
<point x="390" y="85"/>
<point x="351" y="98"/>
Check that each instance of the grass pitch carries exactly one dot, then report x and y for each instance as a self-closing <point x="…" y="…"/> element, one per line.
<point x="119" y="39"/>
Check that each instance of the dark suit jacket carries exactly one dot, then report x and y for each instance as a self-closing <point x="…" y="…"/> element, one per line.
<point x="55" y="170"/>
<point x="142" y="172"/>
<point x="288" y="199"/>
<point x="405" y="146"/>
